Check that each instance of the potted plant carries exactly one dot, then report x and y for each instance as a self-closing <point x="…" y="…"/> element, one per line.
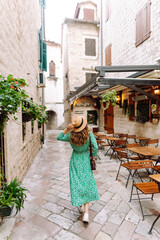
<point x="109" y="97"/>
<point x="12" y="194"/>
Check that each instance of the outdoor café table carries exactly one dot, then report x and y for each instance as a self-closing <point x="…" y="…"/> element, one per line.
<point x="156" y="178"/>
<point x="141" y="140"/>
<point x="145" y="152"/>
<point x="111" y="142"/>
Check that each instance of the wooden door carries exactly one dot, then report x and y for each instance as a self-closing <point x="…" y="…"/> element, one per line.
<point x="108" y="119"/>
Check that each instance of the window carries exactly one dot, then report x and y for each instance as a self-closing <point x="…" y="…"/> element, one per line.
<point x="108" y="61"/>
<point x="89" y="76"/>
<point x="143" y="24"/>
<point x="88" y="14"/>
<point x="52" y="69"/>
<point x="92" y="117"/>
<point x="23" y="131"/>
<point x="107" y="10"/>
<point x="43" y="52"/>
<point x="90" y="47"/>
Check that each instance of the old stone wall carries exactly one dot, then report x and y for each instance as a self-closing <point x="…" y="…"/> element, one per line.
<point x="120" y="31"/>
<point x="20" y="22"/>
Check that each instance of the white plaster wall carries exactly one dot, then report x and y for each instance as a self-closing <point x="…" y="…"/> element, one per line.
<point x="54" y="86"/>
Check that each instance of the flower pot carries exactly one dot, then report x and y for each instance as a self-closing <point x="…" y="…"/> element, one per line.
<point x="26" y="117"/>
<point x="5" y="211"/>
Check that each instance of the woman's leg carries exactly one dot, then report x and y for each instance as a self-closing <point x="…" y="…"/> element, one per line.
<point x="86" y="207"/>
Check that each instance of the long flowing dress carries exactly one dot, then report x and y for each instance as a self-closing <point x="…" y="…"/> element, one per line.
<point x="83" y="187"/>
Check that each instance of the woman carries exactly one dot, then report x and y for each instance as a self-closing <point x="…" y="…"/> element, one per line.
<point x="82" y="183"/>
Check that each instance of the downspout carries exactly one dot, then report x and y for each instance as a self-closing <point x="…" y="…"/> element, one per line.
<point x="101" y="51"/>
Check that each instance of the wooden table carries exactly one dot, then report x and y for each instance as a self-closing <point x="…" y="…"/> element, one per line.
<point x="141" y="140"/>
<point x="111" y="142"/>
<point x="156" y="178"/>
<point x="147" y="151"/>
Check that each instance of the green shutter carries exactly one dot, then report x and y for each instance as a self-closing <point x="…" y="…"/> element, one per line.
<point x="43" y="3"/>
<point x="44" y="61"/>
<point x="43" y="52"/>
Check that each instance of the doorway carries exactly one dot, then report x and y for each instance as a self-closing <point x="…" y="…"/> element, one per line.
<point x="109" y="119"/>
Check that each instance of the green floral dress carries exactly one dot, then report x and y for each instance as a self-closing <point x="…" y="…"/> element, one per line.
<point x="82" y="183"/>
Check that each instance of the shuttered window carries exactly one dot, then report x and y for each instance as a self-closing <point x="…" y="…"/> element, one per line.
<point x="43" y="52"/>
<point x="90" y="47"/>
<point x="107" y="10"/>
<point x="108" y="60"/>
<point x="52" y="69"/>
<point x="143" y="24"/>
<point x="43" y="3"/>
<point x="88" y="14"/>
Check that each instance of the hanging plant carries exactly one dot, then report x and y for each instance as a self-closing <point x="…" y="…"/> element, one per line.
<point x="11" y="96"/>
<point x="109" y="97"/>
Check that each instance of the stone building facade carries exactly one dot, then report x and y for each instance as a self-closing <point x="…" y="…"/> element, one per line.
<point x="130" y="36"/>
<point x="54" y="87"/>
<point x="80" y="55"/>
<point x="20" y="24"/>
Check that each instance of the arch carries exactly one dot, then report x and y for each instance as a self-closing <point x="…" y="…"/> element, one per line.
<point x="52" y="120"/>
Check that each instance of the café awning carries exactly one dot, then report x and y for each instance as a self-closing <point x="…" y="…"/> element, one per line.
<point x="136" y="81"/>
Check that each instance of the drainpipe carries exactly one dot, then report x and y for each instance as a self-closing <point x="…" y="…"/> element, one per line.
<point x="101" y="48"/>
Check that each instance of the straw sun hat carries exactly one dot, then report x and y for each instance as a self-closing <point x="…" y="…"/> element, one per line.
<point x="79" y="123"/>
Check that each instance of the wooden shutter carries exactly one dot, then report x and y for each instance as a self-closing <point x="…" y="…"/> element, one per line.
<point x="90" y="47"/>
<point x="143" y="24"/>
<point x="108" y="61"/>
<point x="107" y="10"/>
<point x="88" y="14"/>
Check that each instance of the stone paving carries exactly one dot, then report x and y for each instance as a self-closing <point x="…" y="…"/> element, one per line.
<point x="49" y="215"/>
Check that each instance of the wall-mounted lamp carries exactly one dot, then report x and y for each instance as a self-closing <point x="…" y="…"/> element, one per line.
<point x="157" y="91"/>
<point x="119" y="99"/>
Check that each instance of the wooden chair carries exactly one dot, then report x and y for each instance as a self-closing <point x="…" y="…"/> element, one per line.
<point x="131" y="137"/>
<point x="119" y="146"/>
<point x="123" y="157"/>
<point x="137" y="165"/>
<point x="144" y="188"/>
<point x="153" y="141"/>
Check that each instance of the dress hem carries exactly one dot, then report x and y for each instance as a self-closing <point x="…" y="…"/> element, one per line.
<point x="75" y="205"/>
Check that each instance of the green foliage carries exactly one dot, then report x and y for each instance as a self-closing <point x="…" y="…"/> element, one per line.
<point x="109" y="96"/>
<point x="12" y="194"/>
<point x="12" y="95"/>
<point x="35" y="111"/>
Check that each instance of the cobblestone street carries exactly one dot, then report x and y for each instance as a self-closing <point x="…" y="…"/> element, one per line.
<point x="48" y="213"/>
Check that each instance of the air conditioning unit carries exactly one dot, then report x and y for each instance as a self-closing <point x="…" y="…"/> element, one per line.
<point x="41" y="80"/>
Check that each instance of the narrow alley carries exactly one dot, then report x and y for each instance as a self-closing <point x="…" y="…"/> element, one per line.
<point x="48" y="213"/>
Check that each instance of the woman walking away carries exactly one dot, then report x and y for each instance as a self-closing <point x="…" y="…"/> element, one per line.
<point x="82" y="183"/>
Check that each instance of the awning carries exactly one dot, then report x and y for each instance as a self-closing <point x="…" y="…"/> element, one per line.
<point x="99" y="83"/>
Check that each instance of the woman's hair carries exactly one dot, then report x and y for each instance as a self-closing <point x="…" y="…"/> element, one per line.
<point x="80" y="138"/>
